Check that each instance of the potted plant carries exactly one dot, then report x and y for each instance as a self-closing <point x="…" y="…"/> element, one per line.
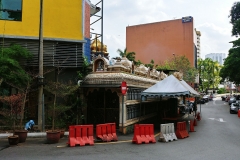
<point x="12" y="110"/>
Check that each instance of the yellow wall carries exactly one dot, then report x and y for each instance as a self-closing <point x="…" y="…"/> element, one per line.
<point x="61" y="19"/>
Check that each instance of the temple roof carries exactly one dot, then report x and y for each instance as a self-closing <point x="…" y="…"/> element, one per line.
<point x="116" y="78"/>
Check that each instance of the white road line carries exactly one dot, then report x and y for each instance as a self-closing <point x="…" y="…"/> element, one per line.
<point x="211" y="118"/>
<point x="221" y="120"/>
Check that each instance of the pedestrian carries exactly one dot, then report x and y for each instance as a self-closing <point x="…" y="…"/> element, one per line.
<point x="190" y="107"/>
<point x="29" y="125"/>
<point x="83" y="119"/>
<point x="195" y="108"/>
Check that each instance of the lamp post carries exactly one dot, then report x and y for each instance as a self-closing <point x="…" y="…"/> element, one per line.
<point x="202" y="67"/>
<point x="201" y="74"/>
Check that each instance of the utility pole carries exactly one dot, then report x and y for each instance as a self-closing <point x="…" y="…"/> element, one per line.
<point x="40" y="75"/>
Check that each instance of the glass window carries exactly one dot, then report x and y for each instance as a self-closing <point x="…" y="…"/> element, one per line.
<point x="11" y="10"/>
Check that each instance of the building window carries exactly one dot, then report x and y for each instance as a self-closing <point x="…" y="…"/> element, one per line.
<point x="11" y="10"/>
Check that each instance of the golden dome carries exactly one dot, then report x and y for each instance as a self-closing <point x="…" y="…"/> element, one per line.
<point x="96" y="46"/>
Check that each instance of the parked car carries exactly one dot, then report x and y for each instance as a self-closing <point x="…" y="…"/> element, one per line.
<point x="232" y="100"/>
<point x="206" y="98"/>
<point x="200" y="101"/>
<point x="234" y="108"/>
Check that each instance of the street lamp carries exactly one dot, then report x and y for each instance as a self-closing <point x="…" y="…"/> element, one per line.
<point x="202" y="68"/>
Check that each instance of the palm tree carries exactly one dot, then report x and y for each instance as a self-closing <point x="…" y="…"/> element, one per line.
<point x="129" y="55"/>
<point x="209" y="74"/>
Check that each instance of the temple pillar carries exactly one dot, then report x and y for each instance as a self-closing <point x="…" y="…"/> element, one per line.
<point x="122" y="113"/>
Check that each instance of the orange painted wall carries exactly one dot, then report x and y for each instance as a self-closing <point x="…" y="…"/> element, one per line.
<point x="158" y="41"/>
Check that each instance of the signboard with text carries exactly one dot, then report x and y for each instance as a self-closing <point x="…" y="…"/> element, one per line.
<point x="186" y="19"/>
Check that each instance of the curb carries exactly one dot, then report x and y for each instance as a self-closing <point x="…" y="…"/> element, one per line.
<point x="35" y="135"/>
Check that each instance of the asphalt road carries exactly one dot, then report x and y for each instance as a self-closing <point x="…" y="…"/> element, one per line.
<point x="217" y="137"/>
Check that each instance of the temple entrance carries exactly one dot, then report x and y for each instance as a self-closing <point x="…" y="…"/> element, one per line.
<point x="102" y="107"/>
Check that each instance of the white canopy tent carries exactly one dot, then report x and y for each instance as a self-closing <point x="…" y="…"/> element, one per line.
<point x="171" y="87"/>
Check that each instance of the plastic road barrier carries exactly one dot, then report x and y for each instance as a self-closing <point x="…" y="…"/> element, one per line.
<point x="239" y="113"/>
<point x="80" y="135"/>
<point x="106" y="132"/>
<point x="181" y="131"/>
<point x="195" y="122"/>
<point x="198" y="116"/>
<point x="143" y="133"/>
<point x="167" y="133"/>
<point x="192" y="126"/>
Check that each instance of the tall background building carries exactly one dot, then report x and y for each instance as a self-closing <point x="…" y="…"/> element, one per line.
<point x="219" y="57"/>
<point x="198" y="33"/>
<point x="159" y="41"/>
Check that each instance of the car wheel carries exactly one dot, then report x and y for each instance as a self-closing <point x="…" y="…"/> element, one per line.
<point x="231" y="112"/>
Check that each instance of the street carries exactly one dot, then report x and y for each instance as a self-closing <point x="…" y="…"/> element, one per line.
<point x="216" y="138"/>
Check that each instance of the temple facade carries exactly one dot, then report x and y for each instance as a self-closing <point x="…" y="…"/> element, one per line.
<point x="104" y="102"/>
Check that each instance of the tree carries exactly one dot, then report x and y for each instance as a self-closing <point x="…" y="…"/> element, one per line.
<point x="182" y="64"/>
<point x="235" y="18"/>
<point x="13" y="109"/>
<point x="129" y="55"/>
<point x="151" y="64"/>
<point x="209" y="73"/>
<point x="14" y="74"/>
<point x="231" y="63"/>
<point x="59" y="90"/>
<point x="11" y="69"/>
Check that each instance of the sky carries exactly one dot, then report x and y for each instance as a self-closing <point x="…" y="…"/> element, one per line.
<point x="210" y="18"/>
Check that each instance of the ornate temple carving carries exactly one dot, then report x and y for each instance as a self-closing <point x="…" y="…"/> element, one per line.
<point x="141" y="70"/>
<point x="113" y="71"/>
<point x="178" y="75"/>
<point x="162" y="75"/>
<point x="155" y="74"/>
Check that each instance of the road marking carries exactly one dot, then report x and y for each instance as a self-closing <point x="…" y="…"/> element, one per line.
<point x="214" y="102"/>
<point x="62" y="146"/>
<point x="217" y="119"/>
<point x="221" y="120"/>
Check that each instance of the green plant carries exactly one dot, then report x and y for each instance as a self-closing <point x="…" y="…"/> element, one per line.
<point x="221" y="90"/>
<point x="11" y="69"/>
<point x="13" y="107"/>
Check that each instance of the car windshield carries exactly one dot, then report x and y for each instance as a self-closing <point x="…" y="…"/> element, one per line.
<point x="232" y="99"/>
<point x="235" y="104"/>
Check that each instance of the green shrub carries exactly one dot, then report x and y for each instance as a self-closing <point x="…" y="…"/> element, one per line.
<point x="221" y="91"/>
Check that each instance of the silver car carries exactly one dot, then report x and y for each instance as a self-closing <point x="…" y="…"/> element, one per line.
<point x="232" y="100"/>
<point x="234" y="108"/>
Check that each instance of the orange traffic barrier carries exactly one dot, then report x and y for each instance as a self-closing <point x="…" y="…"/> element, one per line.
<point x="181" y="131"/>
<point x="195" y="122"/>
<point x="239" y="113"/>
<point x="198" y="116"/>
<point x="80" y="135"/>
<point x="192" y="126"/>
<point x="143" y="133"/>
<point x="106" y="132"/>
